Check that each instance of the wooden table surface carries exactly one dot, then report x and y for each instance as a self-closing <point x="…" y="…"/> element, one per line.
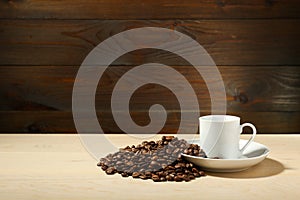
<point x="36" y="166"/>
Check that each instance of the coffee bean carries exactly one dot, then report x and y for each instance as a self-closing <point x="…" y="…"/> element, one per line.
<point x="163" y="179"/>
<point x="155" y="178"/>
<point x="164" y="165"/>
<point x="169" y="178"/>
<point x="159" y="161"/>
<point x="124" y="174"/>
<point x="136" y="174"/>
<point x="119" y="163"/>
<point x="144" y="177"/>
<point x="153" y="163"/>
<point x="169" y="138"/>
<point x="186" y="178"/>
<point x="177" y="166"/>
<point x="170" y="167"/>
<point x="196" y="152"/>
<point x="104" y="167"/>
<point x="202" y="173"/>
<point x="154" y="157"/>
<point x="177" y="179"/>
<point x="195" y="170"/>
<point x="110" y="170"/>
<point x="191" y="177"/>
<point x="196" y="174"/>
<point x="148" y="174"/>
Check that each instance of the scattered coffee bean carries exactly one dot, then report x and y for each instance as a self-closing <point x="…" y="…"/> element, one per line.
<point x="163" y="179"/>
<point x="191" y="177"/>
<point x="110" y="170"/>
<point x="124" y="174"/>
<point x="202" y="173"/>
<point x="159" y="161"/>
<point x="155" y="178"/>
<point x="196" y="174"/>
<point x="177" y="179"/>
<point x="135" y="174"/>
<point x="194" y="170"/>
<point x="144" y="177"/>
<point x="104" y="167"/>
<point x="169" y="178"/>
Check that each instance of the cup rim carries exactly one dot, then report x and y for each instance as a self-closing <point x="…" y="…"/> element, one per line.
<point x="219" y="118"/>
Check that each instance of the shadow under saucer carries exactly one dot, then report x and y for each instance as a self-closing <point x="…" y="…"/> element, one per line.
<point x="268" y="167"/>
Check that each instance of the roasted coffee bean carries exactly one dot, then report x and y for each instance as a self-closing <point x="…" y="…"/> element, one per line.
<point x="119" y="163"/>
<point x="148" y="174"/>
<point x="169" y="178"/>
<point x="164" y="165"/>
<point x="154" y="163"/>
<point x="144" y="177"/>
<point x="104" y="167"/>
<point x="154" y="158"/>
<point x="196" y="174"/>
<point x="177" y="166"/>
<point x="177" y="179"/>
<point x="163" y="179"/>
<point x="155" y="178"/>
<point x="162" y="174"/>
<point x="159" y="161"/>
<point x="196" y="152"/>
<point x="124" y="174"/>
<point x="191" y="177"/>
<point x="202" y="173"/>
<point x="186" y="178"/>
<point x="110" y="170"/>
<point x="136" y="174"/>
<point x="195" y="170"/>
<point x="169" y="138"/>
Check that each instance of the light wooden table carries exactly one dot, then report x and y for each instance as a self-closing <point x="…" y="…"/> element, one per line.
<point x="58" y="167"/>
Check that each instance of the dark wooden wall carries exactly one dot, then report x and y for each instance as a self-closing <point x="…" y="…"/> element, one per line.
<point x="255" y="44"/>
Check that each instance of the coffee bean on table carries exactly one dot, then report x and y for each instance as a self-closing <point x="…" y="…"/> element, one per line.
<point x="136" y="174"/>
<point x="202" y="173"/>
<point x="155" y="178"/>
<point x="144" y="177"/>
<point x="169" y="178"/>
<point x="124" y="174"/>
<point x="177" y="179"/>
<point x="104" y="167"/>
<point x="110" y="170"/>
<point x="159" y="161"/>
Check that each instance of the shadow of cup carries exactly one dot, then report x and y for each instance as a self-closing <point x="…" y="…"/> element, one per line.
<point x="268" y="167"/>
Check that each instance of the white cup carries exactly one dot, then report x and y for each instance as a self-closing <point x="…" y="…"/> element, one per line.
<point x="220" y="136"/>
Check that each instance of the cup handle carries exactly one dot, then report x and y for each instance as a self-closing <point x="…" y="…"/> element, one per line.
<point x="252" y="137"/>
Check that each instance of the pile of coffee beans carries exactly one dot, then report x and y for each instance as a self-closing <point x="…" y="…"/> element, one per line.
<point x="159" y="161"/>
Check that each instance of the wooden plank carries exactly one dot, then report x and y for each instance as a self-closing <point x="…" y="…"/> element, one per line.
<point x="248" y="88"/>
<point x="229" y="42"/>
<point x="58" y="166"/>
<point x="62" y="122"/>
<point x="148" y="9"/>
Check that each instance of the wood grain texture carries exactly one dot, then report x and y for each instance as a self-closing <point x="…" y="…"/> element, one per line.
<point x="148" y="9"/>
<point x="42" y="43"/>
<point x="62" y="121"/>
<point x="248" y="88"/>
<point x="229" y="42"/>
<point x="58" y="167"/>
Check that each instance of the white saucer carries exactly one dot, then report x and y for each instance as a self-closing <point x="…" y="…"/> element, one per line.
<point x="254" y="154"/>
